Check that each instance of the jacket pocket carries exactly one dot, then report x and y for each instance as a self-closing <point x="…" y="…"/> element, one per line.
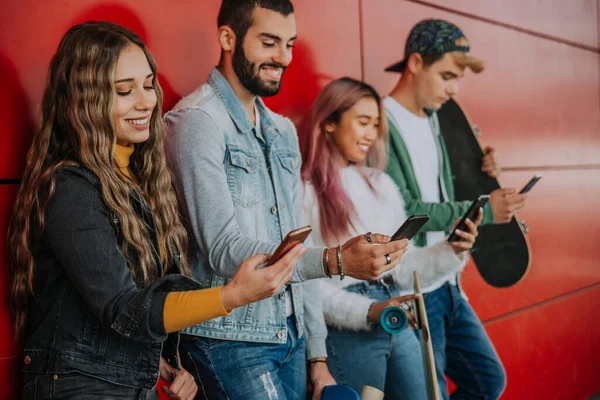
<point x="289" y="161"/>
<point x="242" y="176"/>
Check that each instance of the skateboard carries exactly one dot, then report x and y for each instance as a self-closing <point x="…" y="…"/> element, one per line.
<point x="502" y="253"/>
<point x="433" y="390"/>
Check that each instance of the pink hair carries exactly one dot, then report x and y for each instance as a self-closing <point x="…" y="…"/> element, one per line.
<point x="321" y="158"/>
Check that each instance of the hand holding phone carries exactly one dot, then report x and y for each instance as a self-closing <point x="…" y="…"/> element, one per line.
<point x="531" y="183"/>
<point x="410" y="227"/>
<point x="293" y="238"/>
<point x="471" y="214"/>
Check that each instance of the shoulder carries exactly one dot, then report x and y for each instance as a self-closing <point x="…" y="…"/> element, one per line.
<point x="198" y="99"/>
<point x="283" y="124"/>
<point x="74" y="187"/>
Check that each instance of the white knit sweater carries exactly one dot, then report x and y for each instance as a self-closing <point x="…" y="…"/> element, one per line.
<point x="379" y="211"/>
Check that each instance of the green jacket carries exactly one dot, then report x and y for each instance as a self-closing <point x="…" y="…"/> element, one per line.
<point x="400" y="169"/>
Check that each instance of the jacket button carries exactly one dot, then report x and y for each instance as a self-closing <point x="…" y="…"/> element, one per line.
<point x="27" y="360"/>
<point x="274" y="210"/>
<point x="280" y="334"/>
<point x="281" y="295"/>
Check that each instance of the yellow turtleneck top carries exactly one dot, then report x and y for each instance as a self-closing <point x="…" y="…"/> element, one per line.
<point x="182" y="309"/>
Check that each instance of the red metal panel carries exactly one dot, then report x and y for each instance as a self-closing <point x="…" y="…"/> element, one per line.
<point x="537" y="102"/>
<point x="551" y="352"/>
<point x="563" y="215"/>
<point x="573" y="20"/>
<point x="10" y="378"/>
<point x="328" y="47"/>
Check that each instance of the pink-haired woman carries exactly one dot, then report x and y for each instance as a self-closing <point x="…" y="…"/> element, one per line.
<point x="346" y="192"/>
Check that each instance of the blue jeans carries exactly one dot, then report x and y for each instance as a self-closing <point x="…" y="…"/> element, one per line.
<point x="77" y="386"/>
<point x="390" y="363"/>
<point x="234" y="370"/>
<point x="462" y="349"/>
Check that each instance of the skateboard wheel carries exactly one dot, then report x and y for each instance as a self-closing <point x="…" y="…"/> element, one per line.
<point x="339" y="392"/>
<point x="393" y="319"/>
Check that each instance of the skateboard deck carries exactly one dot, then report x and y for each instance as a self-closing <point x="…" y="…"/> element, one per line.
<point x="433" y="390"/>
<point x="502" y="252"/>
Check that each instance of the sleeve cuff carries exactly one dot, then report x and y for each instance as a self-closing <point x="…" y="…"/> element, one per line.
<point x="315" y="347"/>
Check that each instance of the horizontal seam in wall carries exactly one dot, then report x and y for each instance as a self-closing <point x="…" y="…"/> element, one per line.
<point x="554" y="168"/>
<point x="509" y="26"/>
<point x="541" y="304"/>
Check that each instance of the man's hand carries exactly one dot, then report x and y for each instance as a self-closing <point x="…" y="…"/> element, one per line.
<point x="489" y="162"/>
<point x="506" y="202"/>
<point x="320" y="377"/>
<point x="183" y="386"/>
<point x="467" y="238"/>
<point x="367" y="260"/>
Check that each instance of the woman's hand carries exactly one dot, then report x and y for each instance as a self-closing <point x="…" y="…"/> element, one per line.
<point x="467" y="238"/>
<point x="183" y="386"/>
<point x="377" y="308"/>
<point x="251" y="284"/>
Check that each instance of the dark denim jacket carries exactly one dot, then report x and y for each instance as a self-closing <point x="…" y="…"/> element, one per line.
<point x="89" y="315"/>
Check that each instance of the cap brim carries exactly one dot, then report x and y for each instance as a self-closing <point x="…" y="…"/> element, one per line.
<point x="467" y="60"/>
<point x="397" y="67"/>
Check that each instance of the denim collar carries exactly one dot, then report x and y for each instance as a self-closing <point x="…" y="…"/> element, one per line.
<point x="235" y="108"/>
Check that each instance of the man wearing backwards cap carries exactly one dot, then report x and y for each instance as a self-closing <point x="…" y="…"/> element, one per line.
<point x="435" y="57"/>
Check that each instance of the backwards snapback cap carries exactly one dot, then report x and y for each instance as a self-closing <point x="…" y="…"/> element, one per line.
<point x="434" y="37"/>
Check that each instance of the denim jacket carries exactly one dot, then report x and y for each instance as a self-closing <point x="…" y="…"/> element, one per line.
<point x="88" y="314"/>
<point x="241" y="194"/>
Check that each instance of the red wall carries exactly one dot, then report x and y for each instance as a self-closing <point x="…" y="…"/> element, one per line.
<point x="538" y="103"/>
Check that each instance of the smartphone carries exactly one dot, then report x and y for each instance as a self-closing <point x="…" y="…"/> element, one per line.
<point x="293" y="238"/>
<point x="470" y="214"/>
<point x="531" y="183"/>
<point x="410" y="227"/>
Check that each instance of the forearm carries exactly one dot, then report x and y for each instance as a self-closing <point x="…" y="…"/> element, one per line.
<point x="345" y="310"/>
<point x="189" y="308"/>
<point x="314" y="322"/>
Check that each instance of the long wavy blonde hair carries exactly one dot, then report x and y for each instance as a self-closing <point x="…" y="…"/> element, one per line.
<point x="77" y="129"/>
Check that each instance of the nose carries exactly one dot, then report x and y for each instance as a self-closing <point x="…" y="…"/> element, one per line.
<point x="452" y="88"/>
<point x="145" y="99"/>
<point x="372" y="134"/>
<point x="284" y="55"/>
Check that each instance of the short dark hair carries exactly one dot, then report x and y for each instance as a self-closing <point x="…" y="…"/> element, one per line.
<point x="428" y="61"/>
<point x="237" y="14"/>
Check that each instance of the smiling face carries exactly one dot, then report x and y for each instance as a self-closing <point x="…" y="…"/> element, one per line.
<point x="437" y="83"/>
<point x="260" y="59"/>
<point x="135" y="97"/>
<point x="357" y="130"/>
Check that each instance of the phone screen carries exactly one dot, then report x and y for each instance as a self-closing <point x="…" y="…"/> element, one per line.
<point x="471" y="214"/>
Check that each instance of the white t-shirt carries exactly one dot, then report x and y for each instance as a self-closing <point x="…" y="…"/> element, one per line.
<point x="421" y="144"/>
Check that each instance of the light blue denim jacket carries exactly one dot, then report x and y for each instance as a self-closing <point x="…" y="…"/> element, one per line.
<point x="241" y="194"/>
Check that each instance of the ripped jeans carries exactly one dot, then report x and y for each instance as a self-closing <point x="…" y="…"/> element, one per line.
<point x="226" y="369"/>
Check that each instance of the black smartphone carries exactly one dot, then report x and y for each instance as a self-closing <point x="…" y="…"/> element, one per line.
<point x="410" y="227"/>
<point x="471" y="214"/>
<point x="531" y="183"/>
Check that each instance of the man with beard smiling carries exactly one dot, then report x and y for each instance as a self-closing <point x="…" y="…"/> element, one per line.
<point x="236" y="167"/>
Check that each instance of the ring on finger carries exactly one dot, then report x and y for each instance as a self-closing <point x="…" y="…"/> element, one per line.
<point x="388" y="259"/>
<point x="368" y="237"/>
